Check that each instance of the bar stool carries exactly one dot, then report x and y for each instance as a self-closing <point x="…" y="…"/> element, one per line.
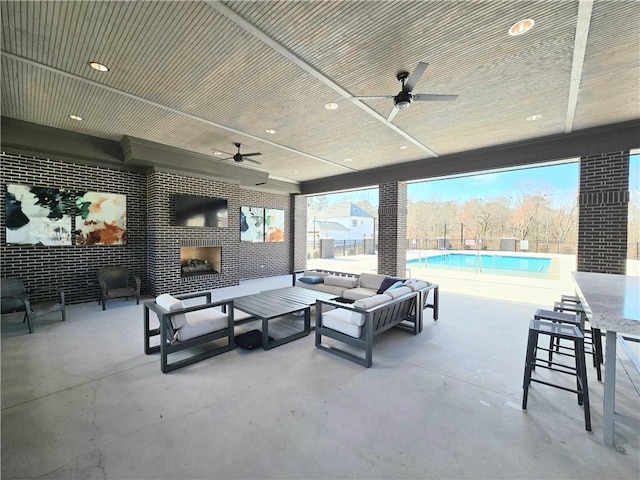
<point x="570" y="299"/>
<point x="565" y="332"/>
<point x="593" y="336"/>
<point x="558" y="317"/>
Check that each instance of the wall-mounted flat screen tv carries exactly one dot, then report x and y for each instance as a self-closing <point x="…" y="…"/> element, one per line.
<point x="196" y="211"/>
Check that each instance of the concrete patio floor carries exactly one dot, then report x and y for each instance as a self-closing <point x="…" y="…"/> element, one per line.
<point x="80" y="400"/>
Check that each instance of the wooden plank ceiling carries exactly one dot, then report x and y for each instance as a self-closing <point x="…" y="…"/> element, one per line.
<point x="202" y="75"/>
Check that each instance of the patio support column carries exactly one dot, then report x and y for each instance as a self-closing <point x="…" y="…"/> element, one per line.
<point x="392" y="229"/>
<point x="299" y="237"/>
<point x="603" y="213"/>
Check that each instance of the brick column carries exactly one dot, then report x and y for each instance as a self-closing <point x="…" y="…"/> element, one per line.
<point x="299" y="222"/>
<point x="392" y="229"/>
<point x="603" y="214"/>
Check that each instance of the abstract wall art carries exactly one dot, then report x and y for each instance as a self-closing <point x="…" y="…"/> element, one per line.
<point x="101" y="218"/>
<point x="273" y="225"/>
<point x="251" y="224"/>
<point x="38" y="215"/>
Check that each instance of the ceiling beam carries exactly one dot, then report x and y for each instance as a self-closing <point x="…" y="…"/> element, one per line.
<point x="579" y="49"/>
<point x="620" y="137"/>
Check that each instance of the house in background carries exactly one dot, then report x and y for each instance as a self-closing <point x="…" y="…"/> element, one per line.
<point x="342" y="221"/>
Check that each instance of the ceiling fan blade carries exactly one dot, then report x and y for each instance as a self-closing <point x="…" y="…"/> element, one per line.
<point x="392" y="114"/>
<point x="429" y="97"/>
<point x="415" y="76"/>
<point x="373" y="97"/>
<point x="217" y="153"/>
<point x="252" y="161"/>
<point x="251" y="154"/>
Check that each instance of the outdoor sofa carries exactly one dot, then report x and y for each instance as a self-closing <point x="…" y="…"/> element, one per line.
<point x="359" y="323"/>
<point x="352" y="287"/>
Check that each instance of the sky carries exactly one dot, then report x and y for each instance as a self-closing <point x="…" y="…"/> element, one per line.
<point x="559" y="181"/>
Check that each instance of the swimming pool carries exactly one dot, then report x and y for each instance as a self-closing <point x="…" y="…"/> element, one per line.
<point x="500" y="264"/>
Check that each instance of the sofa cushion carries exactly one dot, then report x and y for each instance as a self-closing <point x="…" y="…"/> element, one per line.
<point x="321" y="287"/>
<point x="201" y="322"/>
<point x="416" y="285"/>
<point x="358" y="293"/>
<point x="345" y="315"/>
<point x="370" y="302"/>
<point x="345" y="282"/>
<point x="193" y="330"/>
<point x="371" y="280"/>
<point x="398" y="292"/>
<point x="387" y="282"/>
<point x="335" y="323"/>
<point x="314" y="273"/>
<point x="171" y="304"/>
<point x="311" y="279"/>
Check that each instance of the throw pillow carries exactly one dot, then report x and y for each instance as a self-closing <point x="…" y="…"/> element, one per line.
<point x="311" y="280"/>
<point x="399" y="283"/>
<point x="386" y="283"/>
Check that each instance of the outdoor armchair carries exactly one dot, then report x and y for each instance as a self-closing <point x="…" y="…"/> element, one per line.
<point x="15" y="298"/>
<point x="114" y="283"/>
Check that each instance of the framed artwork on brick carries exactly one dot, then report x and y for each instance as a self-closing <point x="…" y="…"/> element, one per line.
<point x="273" y="225"/>
<point x="101" y="218"/>
<point x="38" y="215"/>
<point x="251" y="224"/>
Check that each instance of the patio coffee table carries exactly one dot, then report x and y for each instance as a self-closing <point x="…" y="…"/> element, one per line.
<point x="301" y="295"/>
<point x="266" y="307"/>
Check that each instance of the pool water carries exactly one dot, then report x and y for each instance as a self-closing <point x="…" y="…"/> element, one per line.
<point x="501" y="264"/>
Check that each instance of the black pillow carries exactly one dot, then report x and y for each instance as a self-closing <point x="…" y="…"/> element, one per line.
<point x="250" y="340"/>
<point x="387" y="282"/>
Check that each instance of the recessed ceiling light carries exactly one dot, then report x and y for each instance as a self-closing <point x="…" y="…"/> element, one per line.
<point x="75" y="117"/>
<point x="331" y="106"/>
<point x="523" y="26"/>
<point x="215" y="152"/>
<point x="270" y="130"/>
<point x="402" y="147"/>
<point x="533" y="118"/>
<point x="99" y="66"/>
<point x="347" y="160"/>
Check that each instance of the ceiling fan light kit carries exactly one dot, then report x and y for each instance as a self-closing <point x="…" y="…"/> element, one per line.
<point x="402" y="100"/>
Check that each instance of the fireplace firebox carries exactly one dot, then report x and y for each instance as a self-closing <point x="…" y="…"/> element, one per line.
<point x="200" y="261"/>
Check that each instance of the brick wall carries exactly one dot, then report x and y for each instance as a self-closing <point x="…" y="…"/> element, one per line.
<point x="152" y="251"/>
<point x="603" y="214"/>
<point x="392" y="228"/>
<point x="165" y="239"/>
<point x="257" y="260"/>
<point x="240" y="260"/>
<point x="74" y="267"/>
<point x="299" y="247"/>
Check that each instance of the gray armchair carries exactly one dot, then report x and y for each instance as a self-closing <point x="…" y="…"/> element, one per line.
<point x="15" y="298"/>
<point x="114" y="283"/>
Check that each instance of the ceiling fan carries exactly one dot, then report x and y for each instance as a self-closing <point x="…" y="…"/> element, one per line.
<point x="241" y="157"/>
<point x="405" y="97"/>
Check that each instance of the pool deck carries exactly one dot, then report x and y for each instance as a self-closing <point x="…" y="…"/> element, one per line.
<point x="526" y="289"/>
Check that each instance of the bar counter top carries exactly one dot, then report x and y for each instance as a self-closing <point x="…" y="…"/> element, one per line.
<point x="612" y="301"/>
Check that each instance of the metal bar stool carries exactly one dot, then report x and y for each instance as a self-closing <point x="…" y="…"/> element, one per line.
<point x="593" y="336"/>
<point x="565" y="332"/>
<point x="558" y="317"/>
